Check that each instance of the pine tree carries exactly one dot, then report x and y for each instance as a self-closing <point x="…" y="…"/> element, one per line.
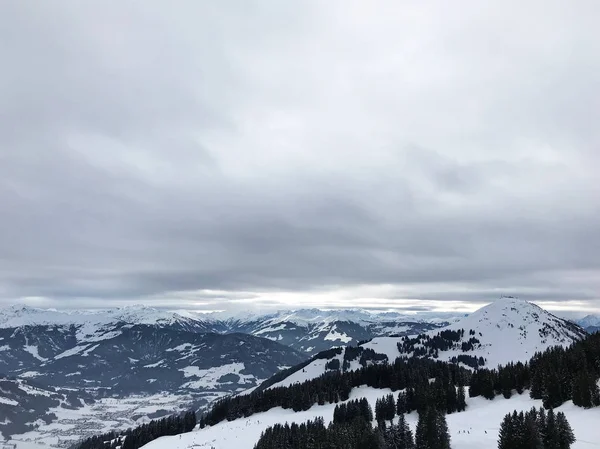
<point x="507" y="433"/>
<point x="421" y="436"/>
<point x="401" y="404"/>
<point x="532" y="438"/>
<point x="552" y="396"/>
<point x="406" y="437"/>
<point x="550" y="432"/>
<point x="432" y="430"/>
<point x="399" y="436"/>
<point x="566" y="437"/>
<point x="442" y="435"/>
<point x="390" y="407"/>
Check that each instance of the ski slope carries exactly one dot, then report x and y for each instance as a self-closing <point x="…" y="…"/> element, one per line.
<point x="475" y="428"/>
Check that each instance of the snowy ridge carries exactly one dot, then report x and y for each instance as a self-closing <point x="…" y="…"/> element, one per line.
<point x="18" y="316"/>
<point x="311" y="331"/>
<point x="306" y="330"/>
<point x="303" y="317"/>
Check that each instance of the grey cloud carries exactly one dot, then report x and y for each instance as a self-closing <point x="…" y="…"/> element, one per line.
<point x="260" y="147"/>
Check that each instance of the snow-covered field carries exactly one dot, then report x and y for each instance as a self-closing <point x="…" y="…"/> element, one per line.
<point x="475" y="428"/>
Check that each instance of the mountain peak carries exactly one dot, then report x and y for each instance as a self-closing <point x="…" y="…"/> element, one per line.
<point x="516" y="329"/>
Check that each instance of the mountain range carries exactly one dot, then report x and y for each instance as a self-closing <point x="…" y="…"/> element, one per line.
<point x="413" y="372"/>
<point x="160" y="361"/>
<point x="139" y="354"/>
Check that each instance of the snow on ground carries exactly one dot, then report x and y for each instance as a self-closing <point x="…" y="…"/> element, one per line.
<point x="181" y="347"/>
<point x="334" y="335"/>
<point x="209" y="378"/>
<point x="279" y="327"/>
<point x="312" y="370"/>
<point x="33" y="350"/>
<point x="88" y="350"/>
<point x="69" y="352"/>
<point x="154" y="365"/>
<point x="385" y="345"/>
<point x="8" y="401"/>
<point x="475" y="428"/>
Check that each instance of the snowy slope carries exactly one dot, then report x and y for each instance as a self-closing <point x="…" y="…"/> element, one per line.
<point x="475" y="428"/>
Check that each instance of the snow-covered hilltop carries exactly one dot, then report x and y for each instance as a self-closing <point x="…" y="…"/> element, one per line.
<point x="509" y="329"/>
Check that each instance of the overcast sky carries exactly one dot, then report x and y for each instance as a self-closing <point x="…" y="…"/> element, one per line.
<point x="236" y="154"/>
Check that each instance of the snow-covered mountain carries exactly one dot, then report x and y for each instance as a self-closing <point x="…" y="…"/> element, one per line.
<point x="591" y="323"/>
<point x="134" y="350"/>
<point x="89" y="322"/>
<point x="506" y="330"/>
<point x="308" y="331"/>
<point x="135" y="355"/>
<point x="159" y="361"/>
<point x="135" y="359"/>
<point x="311" y="331"/>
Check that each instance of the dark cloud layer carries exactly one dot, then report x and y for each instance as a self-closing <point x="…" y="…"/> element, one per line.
<point x="203" y="153"/>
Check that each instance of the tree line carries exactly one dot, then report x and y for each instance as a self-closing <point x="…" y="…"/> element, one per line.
<point x="333" y="387"/>
<point x="424" y="345"/>
<point x="352" y="428"/>
<point x="554" y="376"/>
<point x="141" y="435"/>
